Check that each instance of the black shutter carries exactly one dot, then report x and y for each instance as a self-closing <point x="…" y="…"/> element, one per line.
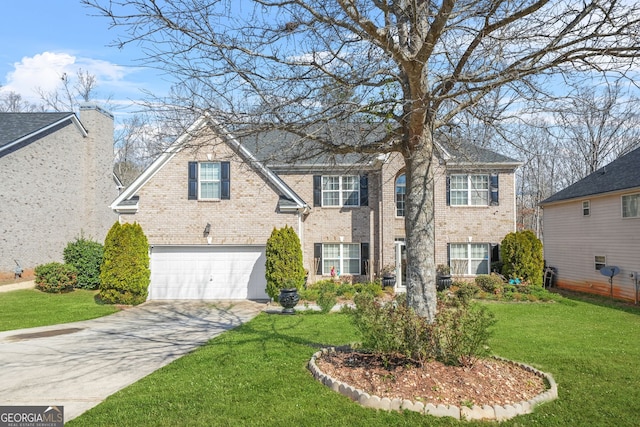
<point x="192" y="186"/>
<point x="495" y="254"/>
<point x="493" y="187"/>
<point x="448" y="190"/>
<point x="364" y="190"/>
<point x="364" y="258"/>
<point x="317" y="190"/>
<point x="225" y="180"/>
<point x="317" y="255"/>
<point x="449" y="254"/>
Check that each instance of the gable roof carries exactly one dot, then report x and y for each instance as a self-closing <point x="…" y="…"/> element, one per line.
<point x="17" y="128"/>
<point x="127" y="200"/>
<point x="621" y="174"/>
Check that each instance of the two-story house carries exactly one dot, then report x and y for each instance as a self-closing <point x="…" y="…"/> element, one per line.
<point x="56" y="184"/>
<point x="594" y="223"/>
<point x="210" y="202"/>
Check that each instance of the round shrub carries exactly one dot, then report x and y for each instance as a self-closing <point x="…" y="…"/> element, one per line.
<point x="86" y="256"/>
<point x="283" y="267"/>
<point x="56" y="277"/>
<point x="490" y="283"/>
<point x="521" y="254"/>
<point x="124" y="273"/>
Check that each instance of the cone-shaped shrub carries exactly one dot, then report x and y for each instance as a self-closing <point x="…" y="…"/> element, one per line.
<point x="522" y="257"/>
<point x="284" y="268"/>
<point x="124" y="273"/>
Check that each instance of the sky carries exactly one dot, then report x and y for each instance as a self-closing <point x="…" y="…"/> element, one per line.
<point x="42" y="39"/>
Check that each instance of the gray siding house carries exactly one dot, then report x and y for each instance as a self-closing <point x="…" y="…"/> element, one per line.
<point x="596" y="223"/>
<point x="56" y="184"/>
<point x="210" y="202"/>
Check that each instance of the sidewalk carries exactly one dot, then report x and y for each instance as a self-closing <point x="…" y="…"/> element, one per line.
<point x="15" y="286"/>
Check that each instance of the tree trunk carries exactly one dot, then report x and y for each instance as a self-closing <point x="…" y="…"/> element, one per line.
<point x="419" y="226"/>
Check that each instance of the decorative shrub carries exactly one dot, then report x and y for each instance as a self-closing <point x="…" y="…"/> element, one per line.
<point x="56" y="277"/>
<point x="86" y="256"/>
<point x="461" y="332"/>
<point x="284" y="268"/>
<point x="521" y="254"/>
<point x="327" y="296"/>
<point x="491" y="283"/>
<point x="124" y="273"/>
<point x="459" y="336"/>
<point x="466" y="291"/>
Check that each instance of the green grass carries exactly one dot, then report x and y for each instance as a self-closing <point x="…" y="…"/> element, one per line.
<point x="256" y="374"/>
<point x="31" y="308"/>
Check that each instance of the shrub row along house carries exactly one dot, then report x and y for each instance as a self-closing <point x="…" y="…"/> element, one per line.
<point x="596" y="223"/>
<point x="210" y="202"/>
<point x="56" y="184"/>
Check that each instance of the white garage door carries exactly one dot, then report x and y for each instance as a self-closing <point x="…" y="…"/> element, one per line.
<point x="207" y="272"/>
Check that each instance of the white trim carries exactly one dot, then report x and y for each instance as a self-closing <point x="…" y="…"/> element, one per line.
<point x="71" y="117"/>
<point x="177" y="146"/>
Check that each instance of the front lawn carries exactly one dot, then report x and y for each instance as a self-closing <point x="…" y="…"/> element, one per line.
<point x="256" y="374"/>
<point x="30" y="308"/>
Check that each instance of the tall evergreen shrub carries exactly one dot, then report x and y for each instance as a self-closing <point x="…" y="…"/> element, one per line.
<point x="124" y="273"/>
<point x="284" y="267"/>
<point x="522" y="257"/>
<point x="86" y="256"/>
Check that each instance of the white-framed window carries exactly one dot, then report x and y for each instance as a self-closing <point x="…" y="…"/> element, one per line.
<point x="341" y="190"/>
<point x="469" y="258"/>
<point x="343" y="258"/>
<point x="469" y="190"/>
<point x="600" y="261"/>
<point x="401" y="191"/>
<point x="631" y="206"/>
<point x="586" y="208"/>
<point x="209" y="180"/>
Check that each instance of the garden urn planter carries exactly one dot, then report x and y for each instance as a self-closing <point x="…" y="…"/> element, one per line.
<point x="444" y="281"/>
<point x="288" y="299"/>
<point x="388" y="280"/>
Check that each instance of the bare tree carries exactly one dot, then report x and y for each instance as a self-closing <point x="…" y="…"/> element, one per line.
<point x="12" y="102"/>
<point x="70" y="93"/>
<point x="412" y="66"/>
<point x="596" y="126"/>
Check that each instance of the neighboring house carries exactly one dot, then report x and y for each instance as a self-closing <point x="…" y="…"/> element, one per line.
<point x="56" y="184"/>
<point x="595" y="223"/>
<point x="210" y="202"/>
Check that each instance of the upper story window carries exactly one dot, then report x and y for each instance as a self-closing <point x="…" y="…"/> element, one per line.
<point x="630" y="205"/>
<point x="401" y="190"/>
<point x="586" y="208"/>
<point x="470" y="190"/>
<point x="209" y="181"/>
<point x="340" y="190"/>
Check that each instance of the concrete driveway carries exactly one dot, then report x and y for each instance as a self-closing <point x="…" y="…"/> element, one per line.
<point x="77" y="365"/>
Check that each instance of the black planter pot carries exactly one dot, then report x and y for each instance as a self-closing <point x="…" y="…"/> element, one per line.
<point x="388" y="281"/>
<point x="443" y="282"/>
<point x="288" y="299"/>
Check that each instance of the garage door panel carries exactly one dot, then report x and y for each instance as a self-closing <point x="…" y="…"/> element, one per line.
<point x="207" y="272"/>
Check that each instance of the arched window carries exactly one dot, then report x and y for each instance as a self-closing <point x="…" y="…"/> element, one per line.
<point x="401" y="189"/>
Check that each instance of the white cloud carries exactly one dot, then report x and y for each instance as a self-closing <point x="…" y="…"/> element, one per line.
<point x="44" y="71"/>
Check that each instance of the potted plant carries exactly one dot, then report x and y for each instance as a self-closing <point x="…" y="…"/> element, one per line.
<point x="443" y="276"/>
<point x="284" y="270"/>
<point x="388" y="276"/>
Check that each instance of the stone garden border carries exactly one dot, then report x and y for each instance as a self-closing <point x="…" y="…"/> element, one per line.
<point x="484" y="412"/>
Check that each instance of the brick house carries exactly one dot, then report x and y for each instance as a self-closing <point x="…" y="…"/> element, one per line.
<point x="56" y="175"/>
<point x="594" y="223"/>
<point x="210" y="202"/>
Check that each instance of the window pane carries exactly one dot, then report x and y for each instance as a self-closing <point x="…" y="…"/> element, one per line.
<point x="351" y="266"/>
<point x="209" y="190"/>
<point x="630" y="206"/>
<point x="480" y="267"/>
<point x="331" y="251"/>
<point x="350" y="183"/>
<point x="351" y="198"/>
<point x="331" y="198"/>
<point x="330" y="183"/>
<point x="457" y="250"/>
<point x="479" y="197"/>
<point x="209" y="171"/>
<point x="401" y="189"/>
<point x="479" y="250"/>
<point x="351" y="250"/>
<point x="480" y="182"/>
<point x="458" y="182"/>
